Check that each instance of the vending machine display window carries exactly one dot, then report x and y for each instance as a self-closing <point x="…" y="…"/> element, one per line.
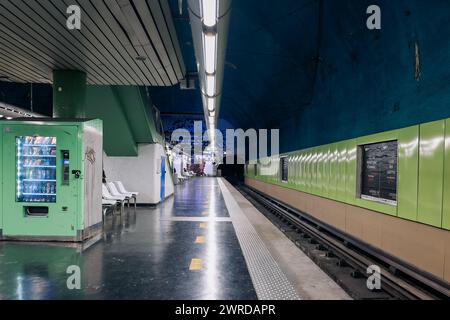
<point x="36" y="169"/>
<point x="378" y="164"/>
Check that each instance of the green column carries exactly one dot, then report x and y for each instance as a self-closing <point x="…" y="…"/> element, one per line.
<point x="69" y="94"/>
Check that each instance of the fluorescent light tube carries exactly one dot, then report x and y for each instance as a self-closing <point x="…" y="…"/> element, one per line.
<point x="211" y="103"/>
<point x="210" y="85"/>
<point x="210" y="50"/>
<point x="209" y="8"/>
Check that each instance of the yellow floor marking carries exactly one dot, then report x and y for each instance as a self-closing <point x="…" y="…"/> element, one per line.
<point x="196" y="265"/>
<point x="200" y="240"/>
<point x="204" y="225"/>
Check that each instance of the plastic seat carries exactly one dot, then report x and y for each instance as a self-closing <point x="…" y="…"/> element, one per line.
<point x="114" y="192"/>
<point x="106" y="195"/>
<point x="121" y="189"/>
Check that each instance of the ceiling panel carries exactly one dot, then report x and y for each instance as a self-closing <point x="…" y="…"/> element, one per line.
<point x="121" y="42"/>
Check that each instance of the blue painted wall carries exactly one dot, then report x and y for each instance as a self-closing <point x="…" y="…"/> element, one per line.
<point x="365" y="79"/>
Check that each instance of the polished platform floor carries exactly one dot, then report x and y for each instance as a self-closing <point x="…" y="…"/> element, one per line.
<point x="189" y="247"/>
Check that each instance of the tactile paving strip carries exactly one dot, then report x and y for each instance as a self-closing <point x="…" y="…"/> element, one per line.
<point x="269" y="281"/>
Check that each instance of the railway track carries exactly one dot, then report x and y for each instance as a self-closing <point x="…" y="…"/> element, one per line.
<point x="398" y="281"/>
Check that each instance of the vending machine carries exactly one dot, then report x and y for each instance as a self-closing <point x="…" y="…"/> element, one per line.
<point x="51" y="174"/>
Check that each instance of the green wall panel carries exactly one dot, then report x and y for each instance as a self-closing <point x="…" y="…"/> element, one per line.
<point x="332" y="190"/>
<point x="314" y="170"/>
<point x="323" y="188"/>
<point x="302" y="171"/>
<point x="292" y="170"/>
<point x="351" y="172"/>
<point x="446" y="204"/>
<point x="297" y="170"/>
<point x="327" y="187"/>
<point x="341" y="174"/>
<point x="308" y="171"/>
<point x="408" y="169"/>
<point x="431" y="170"/>
<point x="319" y="169"/>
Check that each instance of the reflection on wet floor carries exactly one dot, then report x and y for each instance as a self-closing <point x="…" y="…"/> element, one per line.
<point x="142" y="255"/>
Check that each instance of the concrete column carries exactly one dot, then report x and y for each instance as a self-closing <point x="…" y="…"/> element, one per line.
<point x="69" y="94"/>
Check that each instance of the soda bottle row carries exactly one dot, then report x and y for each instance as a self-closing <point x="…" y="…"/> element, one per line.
<point x="32" y="162"/>
<point x="39" y="174"/>
<point x="38" y="151"/>
<point x="39" y="140"/>
<point x="39" y="188"/>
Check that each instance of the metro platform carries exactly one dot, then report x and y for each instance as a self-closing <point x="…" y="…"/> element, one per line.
<point x="207" y="242"/>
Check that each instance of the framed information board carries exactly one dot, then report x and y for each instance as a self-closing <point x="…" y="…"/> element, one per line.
<point x="378" y="167"/>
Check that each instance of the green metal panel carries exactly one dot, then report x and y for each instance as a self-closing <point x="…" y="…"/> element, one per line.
<point x="332" y="189"/>
<point x="313" y="173"/>
<point x="293" y="172"/>
<point x="326" y="188"/>
<point x="341" y="178"/>
<point x="299" y="170"/>
<point x="59" y="222"/>
<point x="351" y="172"/>
<point x="431" y="171"/>
<point x="446" y="205"/>
<point x="308" y="171"/>
<point x="303" y="171"/>
<point x="319" y="170"/>
<point x="408" y="170"/>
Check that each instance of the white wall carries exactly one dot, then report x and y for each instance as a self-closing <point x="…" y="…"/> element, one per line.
<point x="210" y="168"/>
<point x="178" y="164"/>
<point x="142" y="173"/>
